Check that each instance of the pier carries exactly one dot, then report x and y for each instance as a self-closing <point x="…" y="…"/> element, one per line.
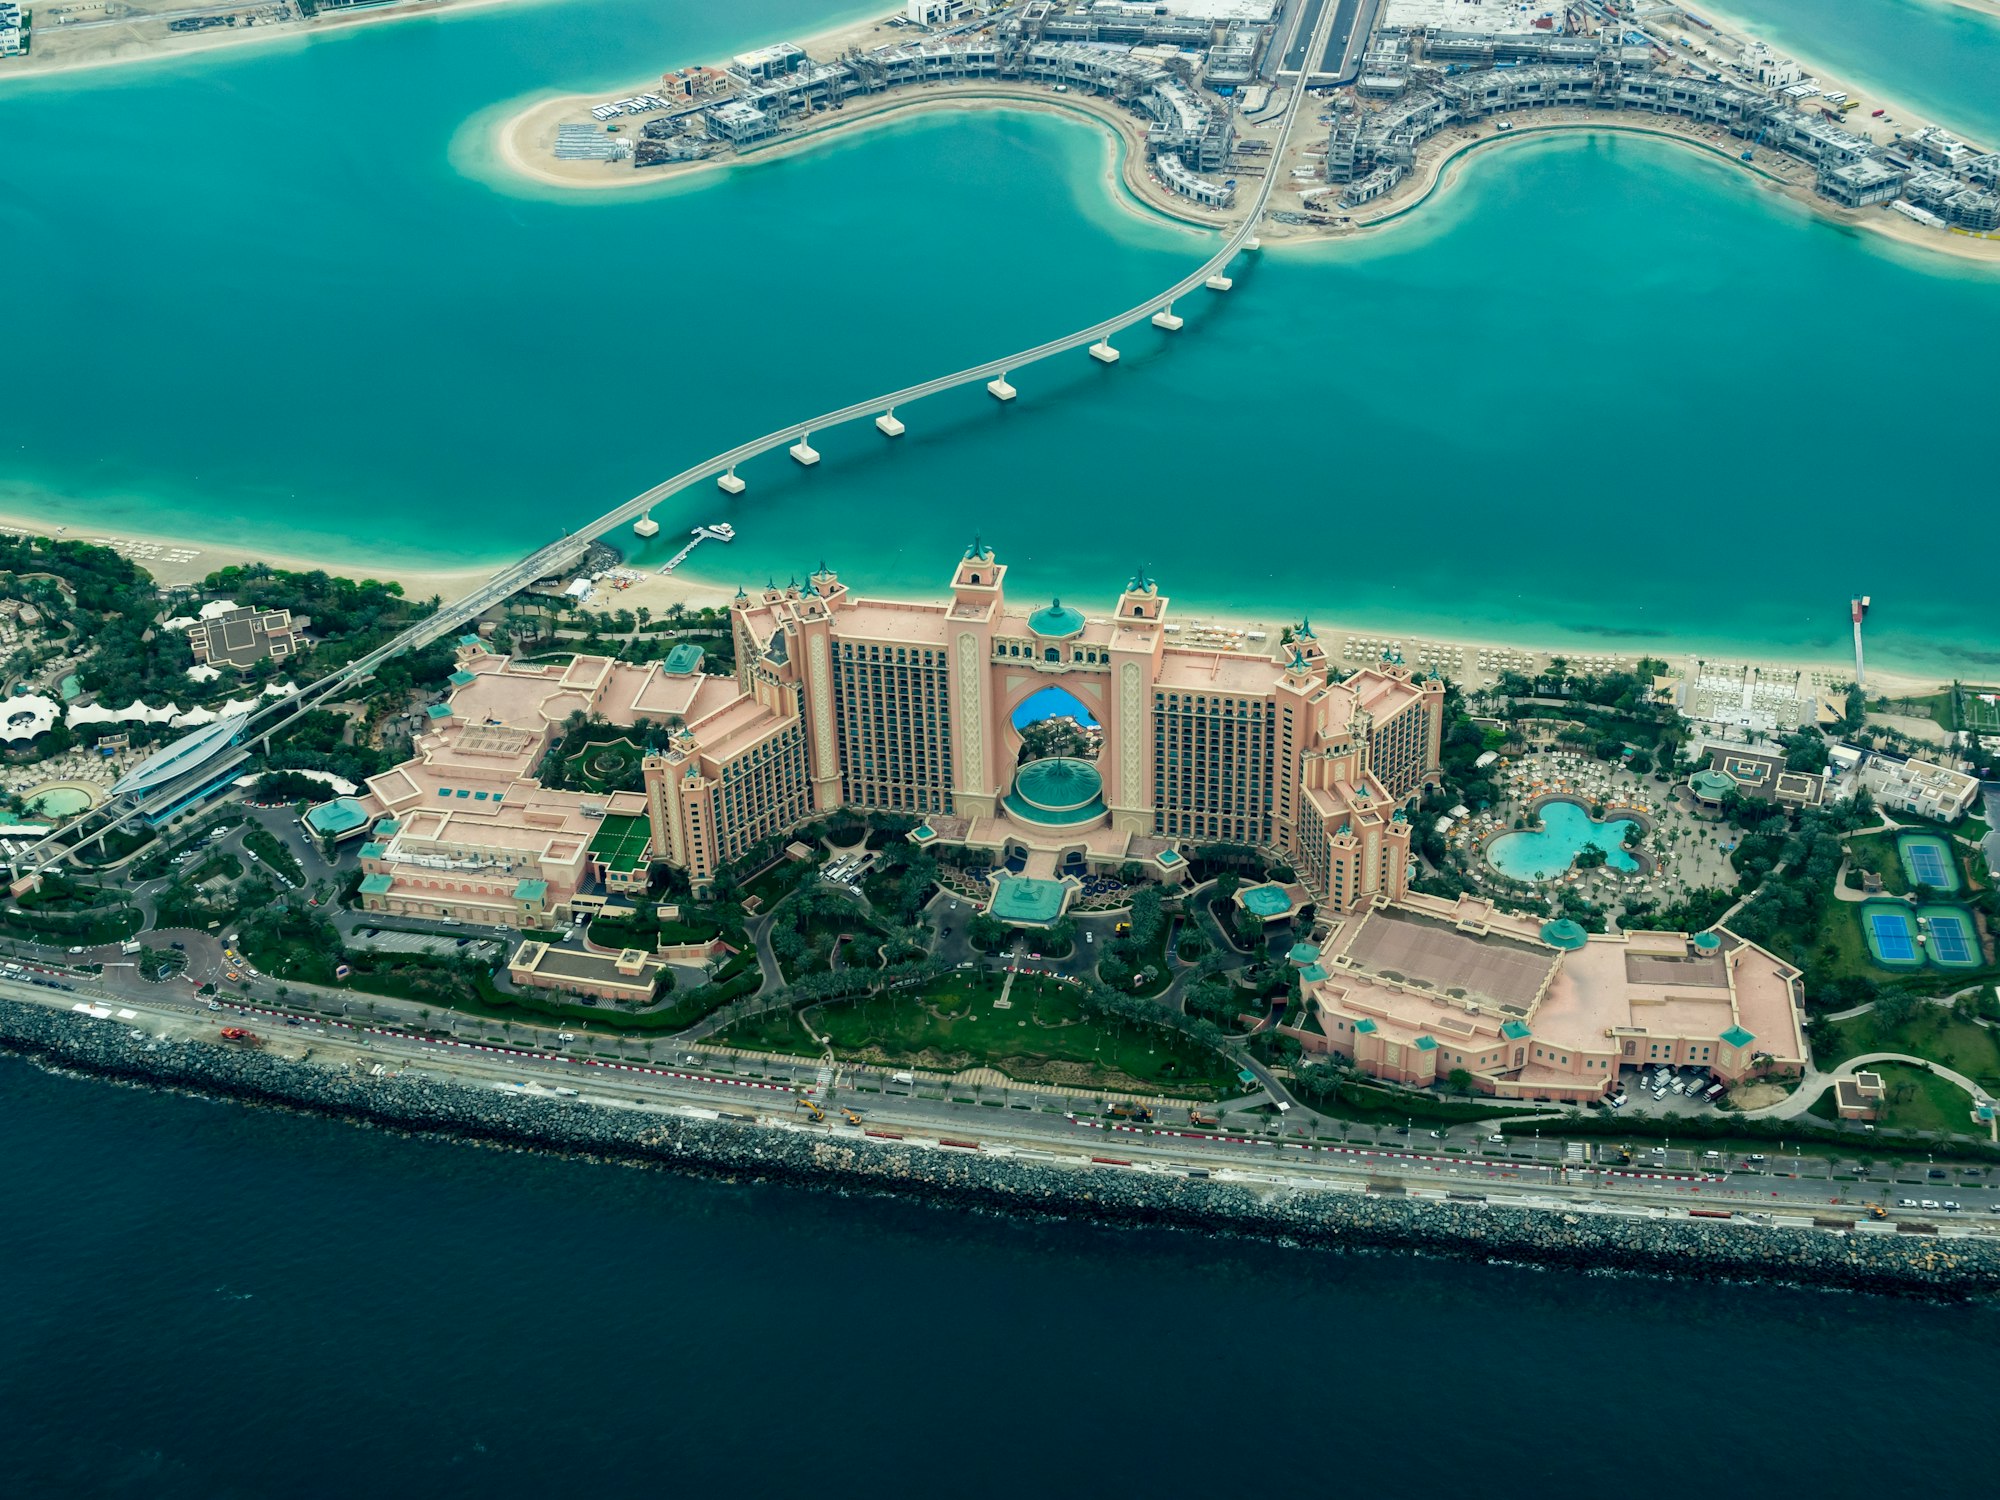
<point x="701" y="534"/>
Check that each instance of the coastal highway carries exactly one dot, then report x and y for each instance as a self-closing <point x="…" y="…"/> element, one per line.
<point x="680" y="1083"/>
<point x="559" y="555"/>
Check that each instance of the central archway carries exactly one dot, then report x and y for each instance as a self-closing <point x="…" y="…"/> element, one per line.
<point x="1052" y="721"/>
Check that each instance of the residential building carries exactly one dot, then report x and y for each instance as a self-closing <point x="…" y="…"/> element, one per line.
<point x="243" y="637"/>
<point x="1923" y="787"/>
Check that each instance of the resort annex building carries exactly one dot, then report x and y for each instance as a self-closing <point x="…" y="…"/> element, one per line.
<point x="879" y="705"/>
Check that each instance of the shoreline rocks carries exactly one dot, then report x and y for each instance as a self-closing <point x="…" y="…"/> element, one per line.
<point x="1898" y="1264"/>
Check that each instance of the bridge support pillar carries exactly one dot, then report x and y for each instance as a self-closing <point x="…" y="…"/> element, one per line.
<point x="1168" y="319"/>
<point x="1219" y="283"/>
<point x="1103" y="353"/>
<point x="1253" y="243"/>
<point x="887" y="424"/>
<point x="728" y="483"/>
<point x="646" y="526"/>
<point x="804" y="451"/>
<point x="999" y="390"/>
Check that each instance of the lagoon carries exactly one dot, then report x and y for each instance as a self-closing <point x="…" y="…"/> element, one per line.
<point x="337" y="336"/>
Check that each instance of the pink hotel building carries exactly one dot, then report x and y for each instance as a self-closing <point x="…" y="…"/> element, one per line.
<point x="1419" y="989"/>
<point x="880" y="705"/>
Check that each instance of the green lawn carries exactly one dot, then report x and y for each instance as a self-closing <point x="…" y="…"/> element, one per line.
<point x="1877" y="852"/>
<point x="1920" y="1100"/>
<point x="1044" y="1036"/>
<point x="1931" y="1033"/>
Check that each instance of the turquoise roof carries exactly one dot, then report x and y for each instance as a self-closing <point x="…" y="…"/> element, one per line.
<point x="1426" y="1043"/>
<point x="530" y="890"/>
<point x="1712" y="786"/>
<point x="1563" y="933"/>
<point x="1168" y="856"/>
<point x="376" y="885"/>
<point x="341" y="815"/>
<point x="470" y="640"/>
<point x="374" y="849"/>
<point x="1057" y="619"/>
<point x="1515" y="1031"/>
<point x="1736" y="1036"/>
<point x="1707" y="942"/>
<point x="1312" y="972"/>
<point x="1026" y="901"/>
<point x="1365" y="1026"/>
<point x="461" y="677"/>
<point x="388" y="826"/>
<point x="1057" y="791"/>
<point x="683" y="661"/>
<point x="923" y="833"/>
<point x="439" y="710"/>
<point x="1265" y="901"/>
<point x="1303" y="953"/>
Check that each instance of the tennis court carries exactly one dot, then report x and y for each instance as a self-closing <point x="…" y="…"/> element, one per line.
<point x="620" y="843"/>
<point x="1979" y="709"/>
<point x="1953" y="945"/>
<point x="1891" y="933"/>
<point x="1927" y="861"/>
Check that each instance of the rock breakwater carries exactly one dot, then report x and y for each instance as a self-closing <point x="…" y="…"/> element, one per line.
<point x="1908" y="1264"/>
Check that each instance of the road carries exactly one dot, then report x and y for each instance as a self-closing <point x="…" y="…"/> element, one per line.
<point x="1000" y="1120"/>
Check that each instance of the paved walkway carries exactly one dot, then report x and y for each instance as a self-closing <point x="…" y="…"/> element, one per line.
<point x="1816" y="1083"/>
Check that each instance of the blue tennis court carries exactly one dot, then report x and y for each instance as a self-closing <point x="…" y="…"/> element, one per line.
<point x="1950" y="941"/>
<point x="1891" y="932"/>
<point x="1927" y="861"/>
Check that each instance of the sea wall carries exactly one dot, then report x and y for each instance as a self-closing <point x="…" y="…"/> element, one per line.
<point x="1865" y="1261"/>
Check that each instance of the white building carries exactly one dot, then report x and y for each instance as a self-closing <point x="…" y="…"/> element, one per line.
<point x="1919" y="786"/>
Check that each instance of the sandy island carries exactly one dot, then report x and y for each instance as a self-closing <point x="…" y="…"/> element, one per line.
<point x="524" y="144"/>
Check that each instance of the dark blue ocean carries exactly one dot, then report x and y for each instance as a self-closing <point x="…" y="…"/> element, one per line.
<point x="205" y="1300"/>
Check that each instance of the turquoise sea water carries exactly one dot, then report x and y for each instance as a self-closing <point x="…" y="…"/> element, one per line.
<point x="1935" y="56"/>
<point x="1567" y="830"/>
<point x="1602" y="392"/>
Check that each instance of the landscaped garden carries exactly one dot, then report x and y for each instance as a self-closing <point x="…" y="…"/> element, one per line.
<point x="1038" y="1031"/>
<point x="1944" y="1034"/>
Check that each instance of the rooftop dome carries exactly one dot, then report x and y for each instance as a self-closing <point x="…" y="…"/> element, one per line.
<point x="1057" y="620"/>
<point x="1712" y="786"/>
<point x="1059" y="790"/>
<point x="1563" y="933"/>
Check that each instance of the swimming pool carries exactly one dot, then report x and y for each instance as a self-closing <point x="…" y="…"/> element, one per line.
<point x="1567" y="830"/>
<point x="62" y="799"/>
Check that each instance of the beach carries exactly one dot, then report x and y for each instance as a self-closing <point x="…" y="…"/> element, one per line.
<point x="183" y="560"/>
<point x="123" y="47"/>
